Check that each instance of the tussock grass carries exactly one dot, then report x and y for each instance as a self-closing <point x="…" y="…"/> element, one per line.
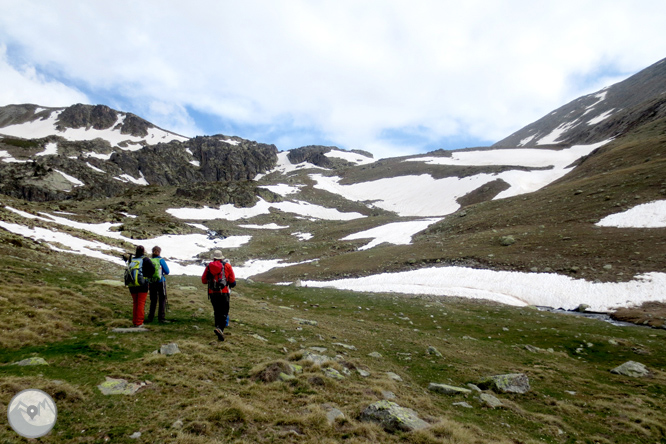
<point x="226" y="391"/>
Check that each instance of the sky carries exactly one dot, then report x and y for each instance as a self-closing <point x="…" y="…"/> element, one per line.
<point x="392" y="77"/>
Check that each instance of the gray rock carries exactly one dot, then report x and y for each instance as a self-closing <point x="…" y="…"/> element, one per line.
<point x="392" y="417"/>
<point x="318" y="349"/>
<point x="394" y="376"/>
<point x="119" y="387"/>
<point x="581" y="308"/>
<point x="31" y="361"/>
<point x="135" y="435"/>
<point x="259" y="337"/>
<point x="463" y="404"/>
<point x="333" y="414"/>
<point x="333" y="373"/>
<point x="315" y="358"/>
<point x="363" y="373"/>
<point x="306" y="321"/>
<point x="178" y="424"/>
<point x="509" y="383"/>
<point x="169" y="349"/>
<point x="473" y="387"/>
<point x="345" y="346"/>
<point x="387" y="394"/>
<point x="433" y="351"/>
<point x="375" y="355"/>
<point x="633" y="369"/>
<point x="131" y="330"/>
<point x="448" y="389"/>
<point x="507" y="240"/>
<point x="490" y="401"/>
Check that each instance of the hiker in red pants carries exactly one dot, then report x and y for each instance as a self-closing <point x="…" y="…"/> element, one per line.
<point x="140" y="268"/>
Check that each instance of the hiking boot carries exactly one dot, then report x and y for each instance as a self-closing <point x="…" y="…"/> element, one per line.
<point x="219" y="334"/>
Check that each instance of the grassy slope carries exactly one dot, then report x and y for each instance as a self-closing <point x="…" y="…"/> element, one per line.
<point x="51" y="307"/>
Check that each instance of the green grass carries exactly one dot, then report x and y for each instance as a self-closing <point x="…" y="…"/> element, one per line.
<point x="211" y="389"/>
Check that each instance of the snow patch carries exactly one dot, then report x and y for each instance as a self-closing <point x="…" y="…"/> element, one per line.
<point x="396" y="233"/>
<point x="647" y="215"/>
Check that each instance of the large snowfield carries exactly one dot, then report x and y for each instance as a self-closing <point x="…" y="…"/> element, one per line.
<point x="513" y="288"/>
<point x="403" y="195"/>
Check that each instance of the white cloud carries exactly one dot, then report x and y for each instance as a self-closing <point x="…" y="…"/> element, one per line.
<point x="348" y="70"/>
<point x="25" y="85"/>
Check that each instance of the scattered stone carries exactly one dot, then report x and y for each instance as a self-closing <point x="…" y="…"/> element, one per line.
<point x="446" y="389"/>
<point x="178" y="424"/>
<point x="332" y="413"/>
<point x="305" y="321"/>
<point x="473" y="387"/>
<point x="392" y="417"/>
<point x="363" y="373"/>
<point x="505" y="241"/>
<point x="141" y="329"/>
<point x="333" y="373"/>
<point x="295" y="368"/>
<point x="387" y="394"/>
<point x="114" y="386"/>
<point x="433" y="351"/>
<point x="463" y="404"/>
<point x="633" y="369"/>
<point x="346" y="346"/>
<point x="318" y="349"/>
<point x="135" y="435"/>
<point x="261" y="338"/>
<point x="291" y="340"/>
<point x="394" y="376"/>
<point x="314" y="358"/>
<point x="169" y="349"/>
<point x="31" y="361"/>
<point x="509" y="383"/>
<point x="375" y="355"/>
<point x="285" y="307"/>
<point x="490" y="401"/>
<point x="532" y="348"/>
<point x="187" y="288"/>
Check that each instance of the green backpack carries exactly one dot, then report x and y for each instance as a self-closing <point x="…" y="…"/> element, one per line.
<point x="157" y="276"/>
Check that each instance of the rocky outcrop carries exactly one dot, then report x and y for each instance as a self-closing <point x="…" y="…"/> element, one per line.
<point x="223" y="161"/>
<point x="314" y="154"/>
<point x="86" y="116"/>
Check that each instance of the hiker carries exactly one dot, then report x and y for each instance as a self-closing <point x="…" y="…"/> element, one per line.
<point x="220" y="277"/>
<point x="158" y="287"/>
<point x="138" y="286"/>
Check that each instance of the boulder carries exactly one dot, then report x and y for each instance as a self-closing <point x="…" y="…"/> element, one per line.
<point x="315" y="358"/>
<point x="509" y="383"/>
<point x="633" y="369"/>
<point x="433" y="351"/>
<point x="392" y="417"/>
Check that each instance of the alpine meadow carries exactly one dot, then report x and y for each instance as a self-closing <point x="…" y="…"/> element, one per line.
<point x="506" y="294"/>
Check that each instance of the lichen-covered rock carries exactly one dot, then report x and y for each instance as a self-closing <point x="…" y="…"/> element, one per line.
<point x="509" y="383"/>
<point x="32" y="361"/>
<point x="333" y="373"/>
<point x="169" y="349"/>
<point x="114" y="386"/>
<point x="633" y="369"/>
<point x="314" y="357"/>
<point x="392" y="417"/>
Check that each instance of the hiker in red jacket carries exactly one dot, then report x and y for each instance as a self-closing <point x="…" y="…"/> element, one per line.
<point x="220" y="277"/>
